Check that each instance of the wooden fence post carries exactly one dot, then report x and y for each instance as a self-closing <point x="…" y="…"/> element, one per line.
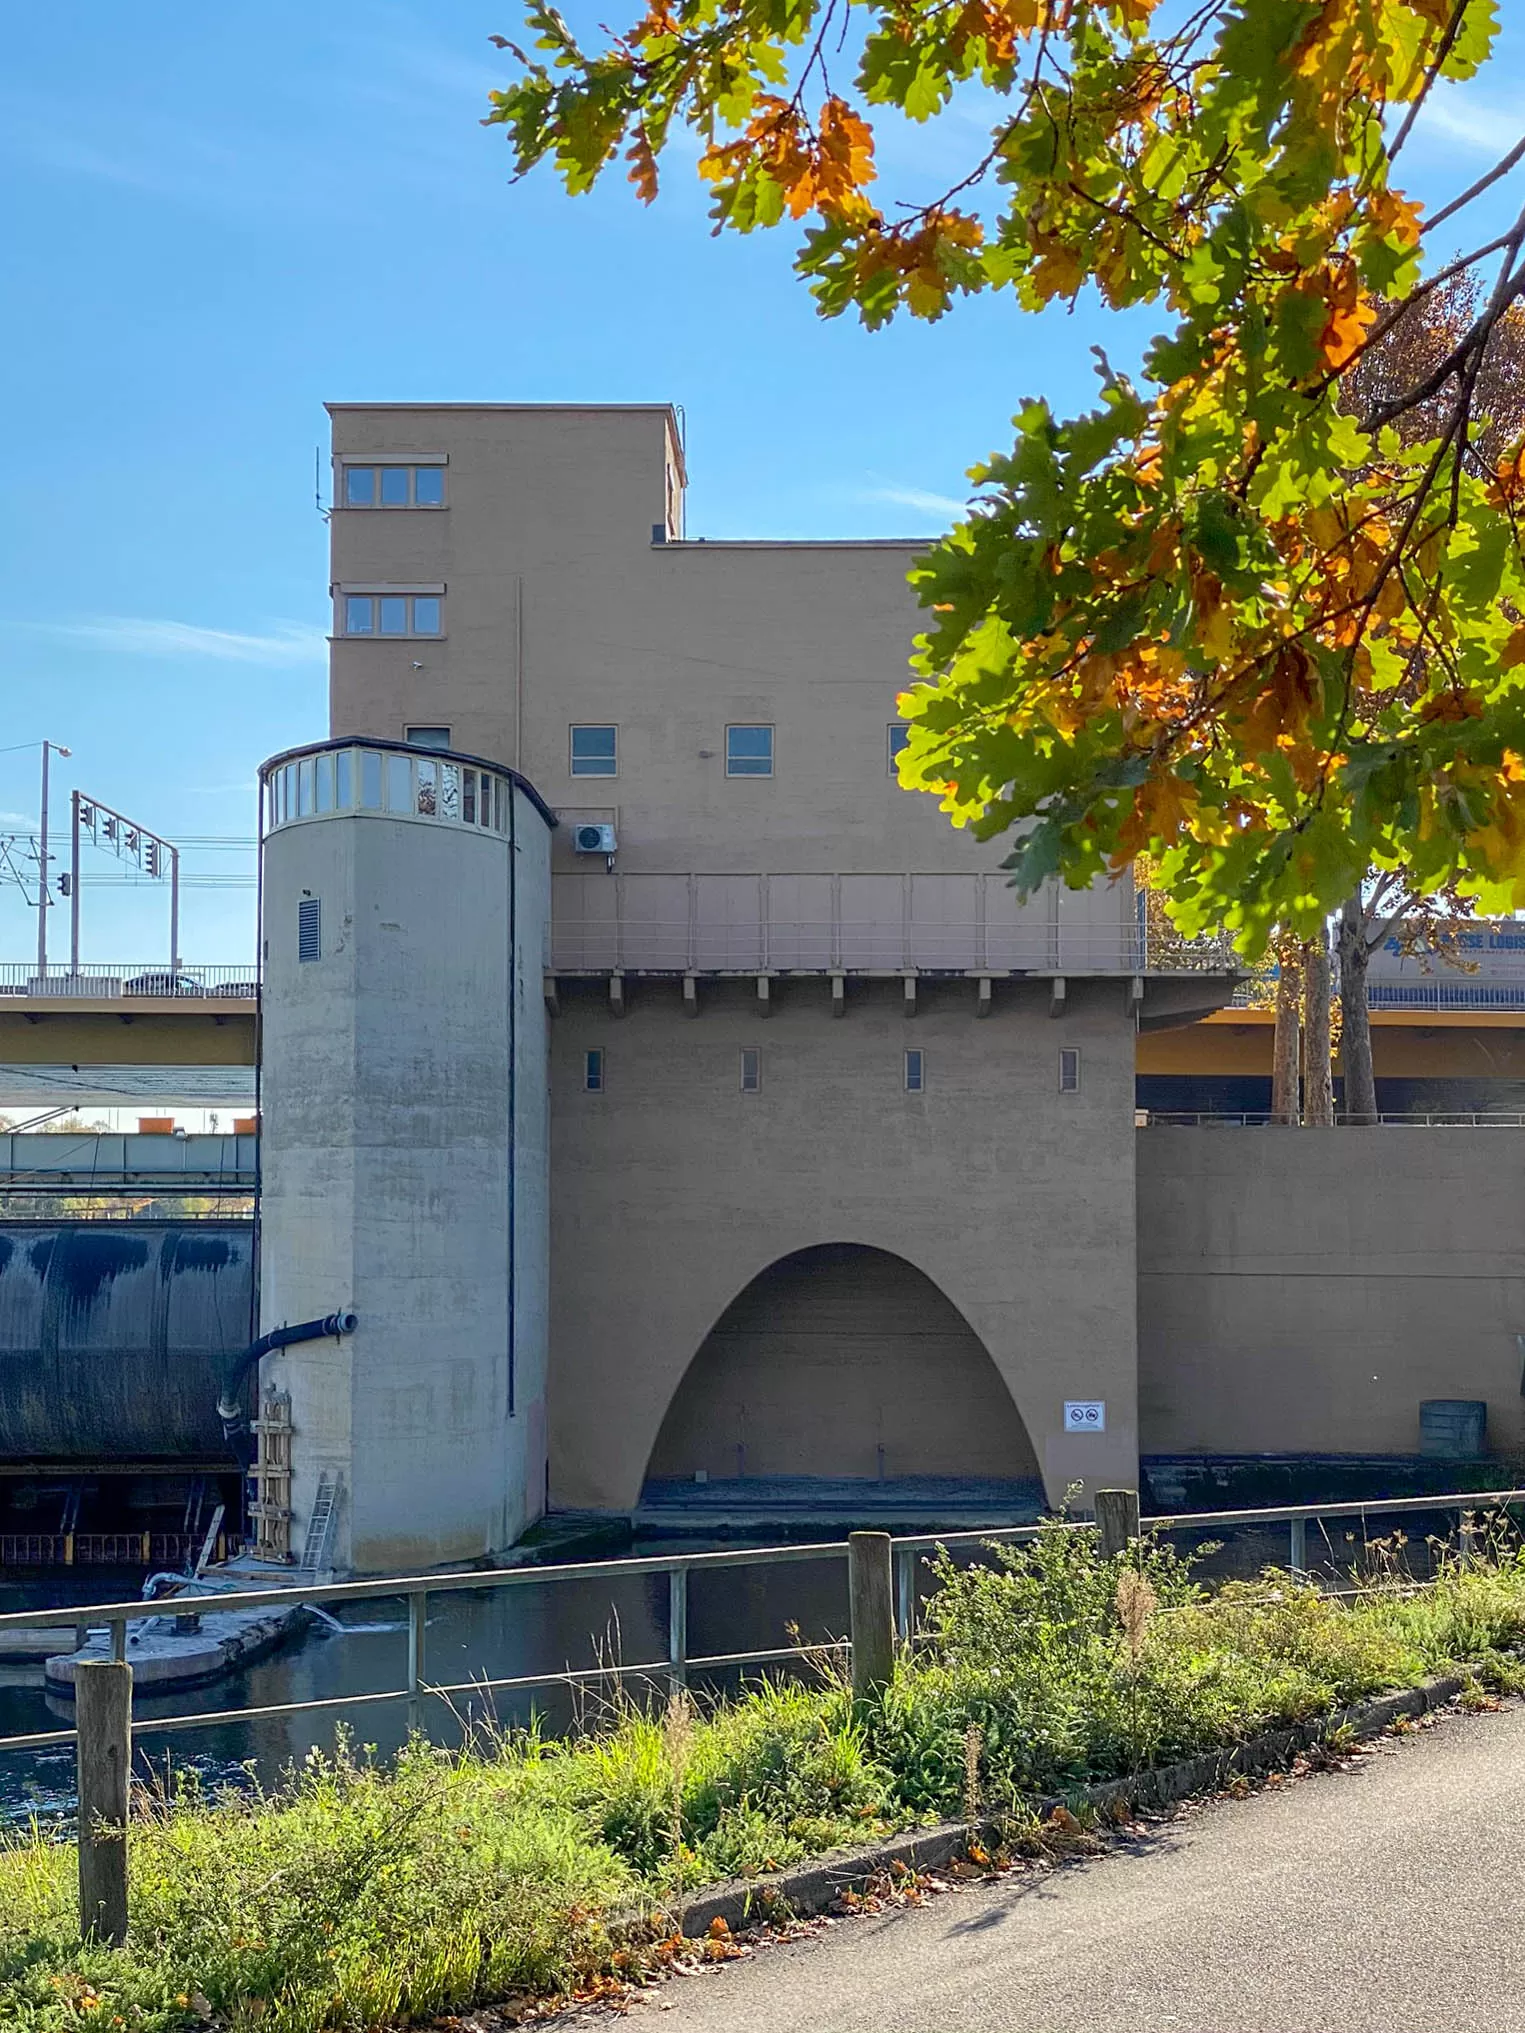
<point x="103" y="1718"/>
<point x="1116" y="1520"/>
<point x="871" y="1602"/>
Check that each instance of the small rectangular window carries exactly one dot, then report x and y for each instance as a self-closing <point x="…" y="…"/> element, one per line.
<point x="751" y="1069"/>
<point x="427" y="737"/>
<point x="394" y="486"/>
<point x="915" y="1071"/>
<point x="595" y="751"/>
<point x="749" y="751"/>
<point x="309" y="933"/>
<point x="593" y="1072"/>
<point x="1069" y="1069"/>
<point x="900" y="736"/>
<point x="392" y="614"/>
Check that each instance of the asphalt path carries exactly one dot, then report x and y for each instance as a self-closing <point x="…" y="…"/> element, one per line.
<point x="1385" y="1897"/>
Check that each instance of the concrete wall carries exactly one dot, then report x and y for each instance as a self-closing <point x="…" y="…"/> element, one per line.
<point x="559" y="609"/>
<point x="391" y="1076"/>
<point x="1303" y="1290"/>
<point x="842" y="1361"/>
<point x="672" y="1190"/>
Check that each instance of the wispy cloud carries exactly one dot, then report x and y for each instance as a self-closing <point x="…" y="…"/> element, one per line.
<point x="1455" y="115"/>
<point x="919" y="498"/>
<point x="286" y="642"/>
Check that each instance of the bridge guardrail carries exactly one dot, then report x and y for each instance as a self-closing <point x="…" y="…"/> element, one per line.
<point x="109" y="979"/>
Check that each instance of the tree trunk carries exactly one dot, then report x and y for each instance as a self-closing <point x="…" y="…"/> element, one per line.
<point x="1355" y="1016"/>
<point x="1284" y="1094"/>
<point x="1318" y="1070"/>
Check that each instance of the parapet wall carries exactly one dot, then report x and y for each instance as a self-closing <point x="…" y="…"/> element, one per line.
<point x="1302" y="1290"/>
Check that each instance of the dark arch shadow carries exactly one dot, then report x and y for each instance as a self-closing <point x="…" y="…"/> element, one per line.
<point x="843" y="1362"/>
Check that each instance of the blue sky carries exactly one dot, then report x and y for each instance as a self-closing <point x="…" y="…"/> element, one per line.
<point x="219" y="217"/>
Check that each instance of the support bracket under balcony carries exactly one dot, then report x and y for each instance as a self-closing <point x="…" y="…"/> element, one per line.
<point x="616" y="994"/>
<point x="1056" y="996"/>
<point x="691" y="995"/>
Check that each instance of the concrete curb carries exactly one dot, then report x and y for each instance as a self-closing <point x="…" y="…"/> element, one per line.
<point x="810" y="1888"/>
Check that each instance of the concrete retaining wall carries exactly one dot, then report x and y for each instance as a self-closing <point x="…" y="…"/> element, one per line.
<point x="672" y="1190"/>
<point x="1303" y="1290"/>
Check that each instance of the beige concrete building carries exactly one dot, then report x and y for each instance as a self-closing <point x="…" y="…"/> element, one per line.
<point x="842" y="1134"/>
<point x="844" y="1175"/>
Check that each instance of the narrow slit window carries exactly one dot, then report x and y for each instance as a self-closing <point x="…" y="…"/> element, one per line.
<point x="899" y="738"/>
<point x="1069" y="1069"/>
<point x="915" y="1071"/>
<point x="751" y="1069"/>
<point x="593" y="1072"/>
<point x="309" y="928"/>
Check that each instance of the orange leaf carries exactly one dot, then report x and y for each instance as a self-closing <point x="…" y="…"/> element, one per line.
<point x="643" y="165"/>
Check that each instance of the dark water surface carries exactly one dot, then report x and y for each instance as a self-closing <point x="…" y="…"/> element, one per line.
<point x="501" y="1633"/>
<point x="531" y="1627"/>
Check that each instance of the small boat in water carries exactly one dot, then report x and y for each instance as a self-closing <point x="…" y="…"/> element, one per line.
<point x="190" y="1641"/>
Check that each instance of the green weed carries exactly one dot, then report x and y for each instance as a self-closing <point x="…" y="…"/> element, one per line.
<point x="355" y="1895"/>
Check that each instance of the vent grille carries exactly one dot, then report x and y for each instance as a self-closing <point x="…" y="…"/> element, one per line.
<point x="309" y="929"/>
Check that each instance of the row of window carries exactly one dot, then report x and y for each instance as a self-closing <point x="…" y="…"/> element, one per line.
<point x="370" y="781"/>
<point x="914" y="1071"/>
<point x="392" y="614"/>
<point x="394" y="486"/>
<point x="594" y="750"/>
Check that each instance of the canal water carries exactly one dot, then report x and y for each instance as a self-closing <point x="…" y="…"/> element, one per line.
<point x="532" y="1627"/>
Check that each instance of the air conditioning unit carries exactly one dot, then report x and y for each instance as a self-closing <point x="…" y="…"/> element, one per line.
<point x="593" y="839"/>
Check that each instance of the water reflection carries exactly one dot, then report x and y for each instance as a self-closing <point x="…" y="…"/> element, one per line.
<point x="472" y="1635"/>
<point x="533" y="1627"/>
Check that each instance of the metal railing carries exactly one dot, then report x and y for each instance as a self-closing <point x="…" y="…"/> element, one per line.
<point x="99" y="1549"/>
<point x="888" y="945"/>
<point x="43" y="1161"/>
<point x="1230" y="1118"/>
<point x="416" y="1591"/>
<point x="1438" y="994"/>
<point x="108" y="979"/>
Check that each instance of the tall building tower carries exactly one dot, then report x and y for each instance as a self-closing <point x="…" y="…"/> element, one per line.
<point x="404" y="916"/>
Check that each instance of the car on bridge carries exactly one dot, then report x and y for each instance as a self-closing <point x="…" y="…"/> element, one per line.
<point x="167" y="983"/>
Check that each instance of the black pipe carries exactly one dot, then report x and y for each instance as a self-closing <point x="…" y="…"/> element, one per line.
<point x="229" y="1410"/>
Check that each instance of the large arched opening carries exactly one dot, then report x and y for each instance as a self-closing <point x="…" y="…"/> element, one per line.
<point x="842" y="1362"/>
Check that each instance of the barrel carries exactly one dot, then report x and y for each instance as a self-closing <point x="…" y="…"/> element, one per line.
<point x="114" y="1334"/>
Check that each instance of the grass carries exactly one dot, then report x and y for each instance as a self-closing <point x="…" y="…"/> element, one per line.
<point x="355" y="1895"/>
